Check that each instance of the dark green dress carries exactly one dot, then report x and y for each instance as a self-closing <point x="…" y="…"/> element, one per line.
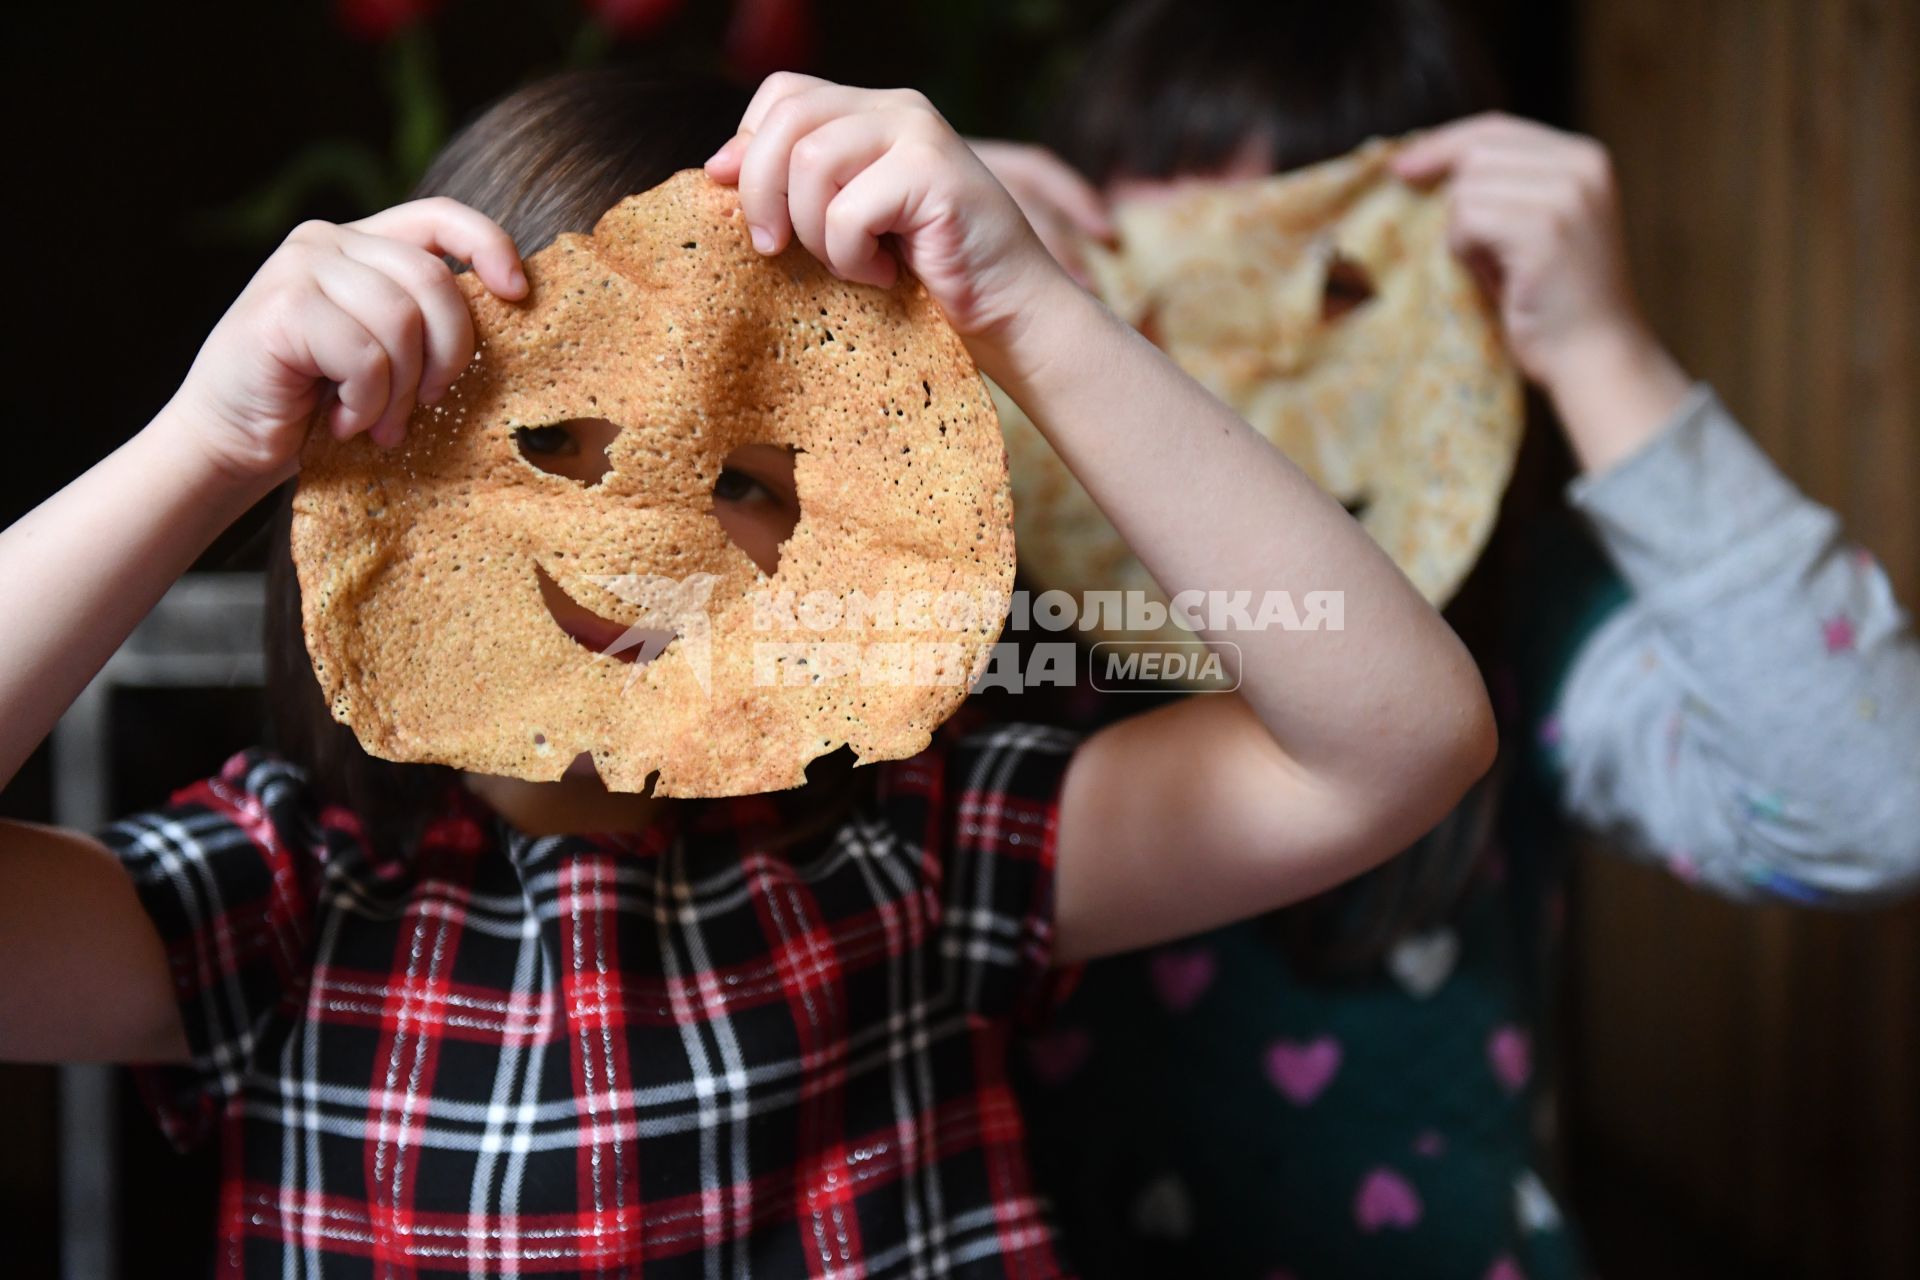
<point x="1202" y="1109"/>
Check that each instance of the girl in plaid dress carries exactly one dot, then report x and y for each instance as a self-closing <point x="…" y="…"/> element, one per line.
<point x="446" y="1024"/>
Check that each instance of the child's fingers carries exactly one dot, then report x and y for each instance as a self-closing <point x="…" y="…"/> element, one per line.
<point x="390" y="315"/>
<point x="1489" y="218"/>
<point x="824" y="161"/>
<point x="875" y="202"/>
<point x="1435" y="154"/>
<point x="1492" y="233"/>
<point x="447" y="339"/>
<point x="766" y="164"/>
<point x="1428" y="158"/>
<point x="1519" y="190"/>
<point x="774" y="89"/>
<point x="1550" y="192"/>
<point x="333" y="345"/>
<point x="724" y="165"/>
<point x="444" y="226"/>
<point x="1492" y="227"/>
<point x="1558" y="160"/>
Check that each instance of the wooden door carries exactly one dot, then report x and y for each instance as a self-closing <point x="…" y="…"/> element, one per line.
<point x="1751" y="1078"/>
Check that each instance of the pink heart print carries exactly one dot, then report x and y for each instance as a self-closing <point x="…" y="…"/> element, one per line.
<point x="1386" y="1199"/>
<point x="1181" y="977"/>
<point x="1303" y="1069"/>
<point x="1510" y="1054"/>
<point x="1057" y="1055"/>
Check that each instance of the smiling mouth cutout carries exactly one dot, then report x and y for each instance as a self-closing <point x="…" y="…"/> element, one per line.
<point x="601" y="636"/>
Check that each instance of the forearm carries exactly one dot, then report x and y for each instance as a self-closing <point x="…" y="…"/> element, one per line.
<point x="82" y="569"/>
<point x="1613" y="392"/>
<point x="1754" y="716"/>
<point x="1207" y="504"/>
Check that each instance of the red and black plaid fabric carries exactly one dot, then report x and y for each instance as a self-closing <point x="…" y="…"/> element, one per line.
<point x="673" y="1053"/>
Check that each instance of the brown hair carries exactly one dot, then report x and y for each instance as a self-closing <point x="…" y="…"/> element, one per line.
<point x="548" y="158"/>
<point x="1178" y="87"/>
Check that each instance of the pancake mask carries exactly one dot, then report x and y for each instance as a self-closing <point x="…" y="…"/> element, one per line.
<point x="421" y="568"/>
<point x="1325" y="307"/>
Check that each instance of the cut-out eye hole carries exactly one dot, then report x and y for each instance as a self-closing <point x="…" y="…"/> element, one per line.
<point x="1348" y="287"/>
<point x="756" y="501"/>
<point x="1357" y="505"/>
<point x="576" y="448"/>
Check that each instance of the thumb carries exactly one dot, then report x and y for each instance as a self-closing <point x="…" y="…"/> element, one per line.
<point x="1428" y="158"/>
<point x="1435" y="153"/>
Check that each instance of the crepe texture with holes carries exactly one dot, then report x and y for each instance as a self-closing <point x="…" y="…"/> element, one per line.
<point x="419" y="568"/>
<point x="1406" y="407"/>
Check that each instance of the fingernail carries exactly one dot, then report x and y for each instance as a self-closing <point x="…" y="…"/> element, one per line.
<point x="762" y="239"/>
<point x="518" y="280"/>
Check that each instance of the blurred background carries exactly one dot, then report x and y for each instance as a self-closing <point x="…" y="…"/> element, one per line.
<point x="1744" y="1085"/>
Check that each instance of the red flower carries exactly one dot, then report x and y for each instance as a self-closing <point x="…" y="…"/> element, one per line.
<point x="631" y="19"/>
<point x="377" y="20"/>
<point x="765" y="36"/>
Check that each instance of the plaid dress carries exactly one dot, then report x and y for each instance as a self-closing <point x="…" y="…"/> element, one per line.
<point x="671" y="1052"/>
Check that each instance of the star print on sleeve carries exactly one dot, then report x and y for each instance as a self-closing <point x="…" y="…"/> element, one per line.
<point x="1838" y="634"/>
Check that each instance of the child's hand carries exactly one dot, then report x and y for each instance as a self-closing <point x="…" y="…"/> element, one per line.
<point x="1061" y="205"/>
<point x="841" y="168"/>
<point x="1535" y="212"/>
<point x="366" y="315"/>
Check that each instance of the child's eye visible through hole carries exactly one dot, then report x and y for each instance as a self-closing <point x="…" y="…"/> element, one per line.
<point x="575" y="449"/>
<point x="756" y="501"/>
<point x="735" y="485"/>
<point x="549" y="442"/>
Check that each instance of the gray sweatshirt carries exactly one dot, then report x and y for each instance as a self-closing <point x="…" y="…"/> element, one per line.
<point x="1751" y="718"/>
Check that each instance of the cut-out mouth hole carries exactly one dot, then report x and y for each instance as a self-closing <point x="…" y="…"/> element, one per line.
<point x="1348" y="287"/>
<point x="575" y="448"/>
<point x="756" y="501"/>
<point x="638" y="645"/>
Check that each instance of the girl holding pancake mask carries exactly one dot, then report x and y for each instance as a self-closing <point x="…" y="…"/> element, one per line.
<point x="1719" y="680"/>
<point x="445" y="1021"/>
